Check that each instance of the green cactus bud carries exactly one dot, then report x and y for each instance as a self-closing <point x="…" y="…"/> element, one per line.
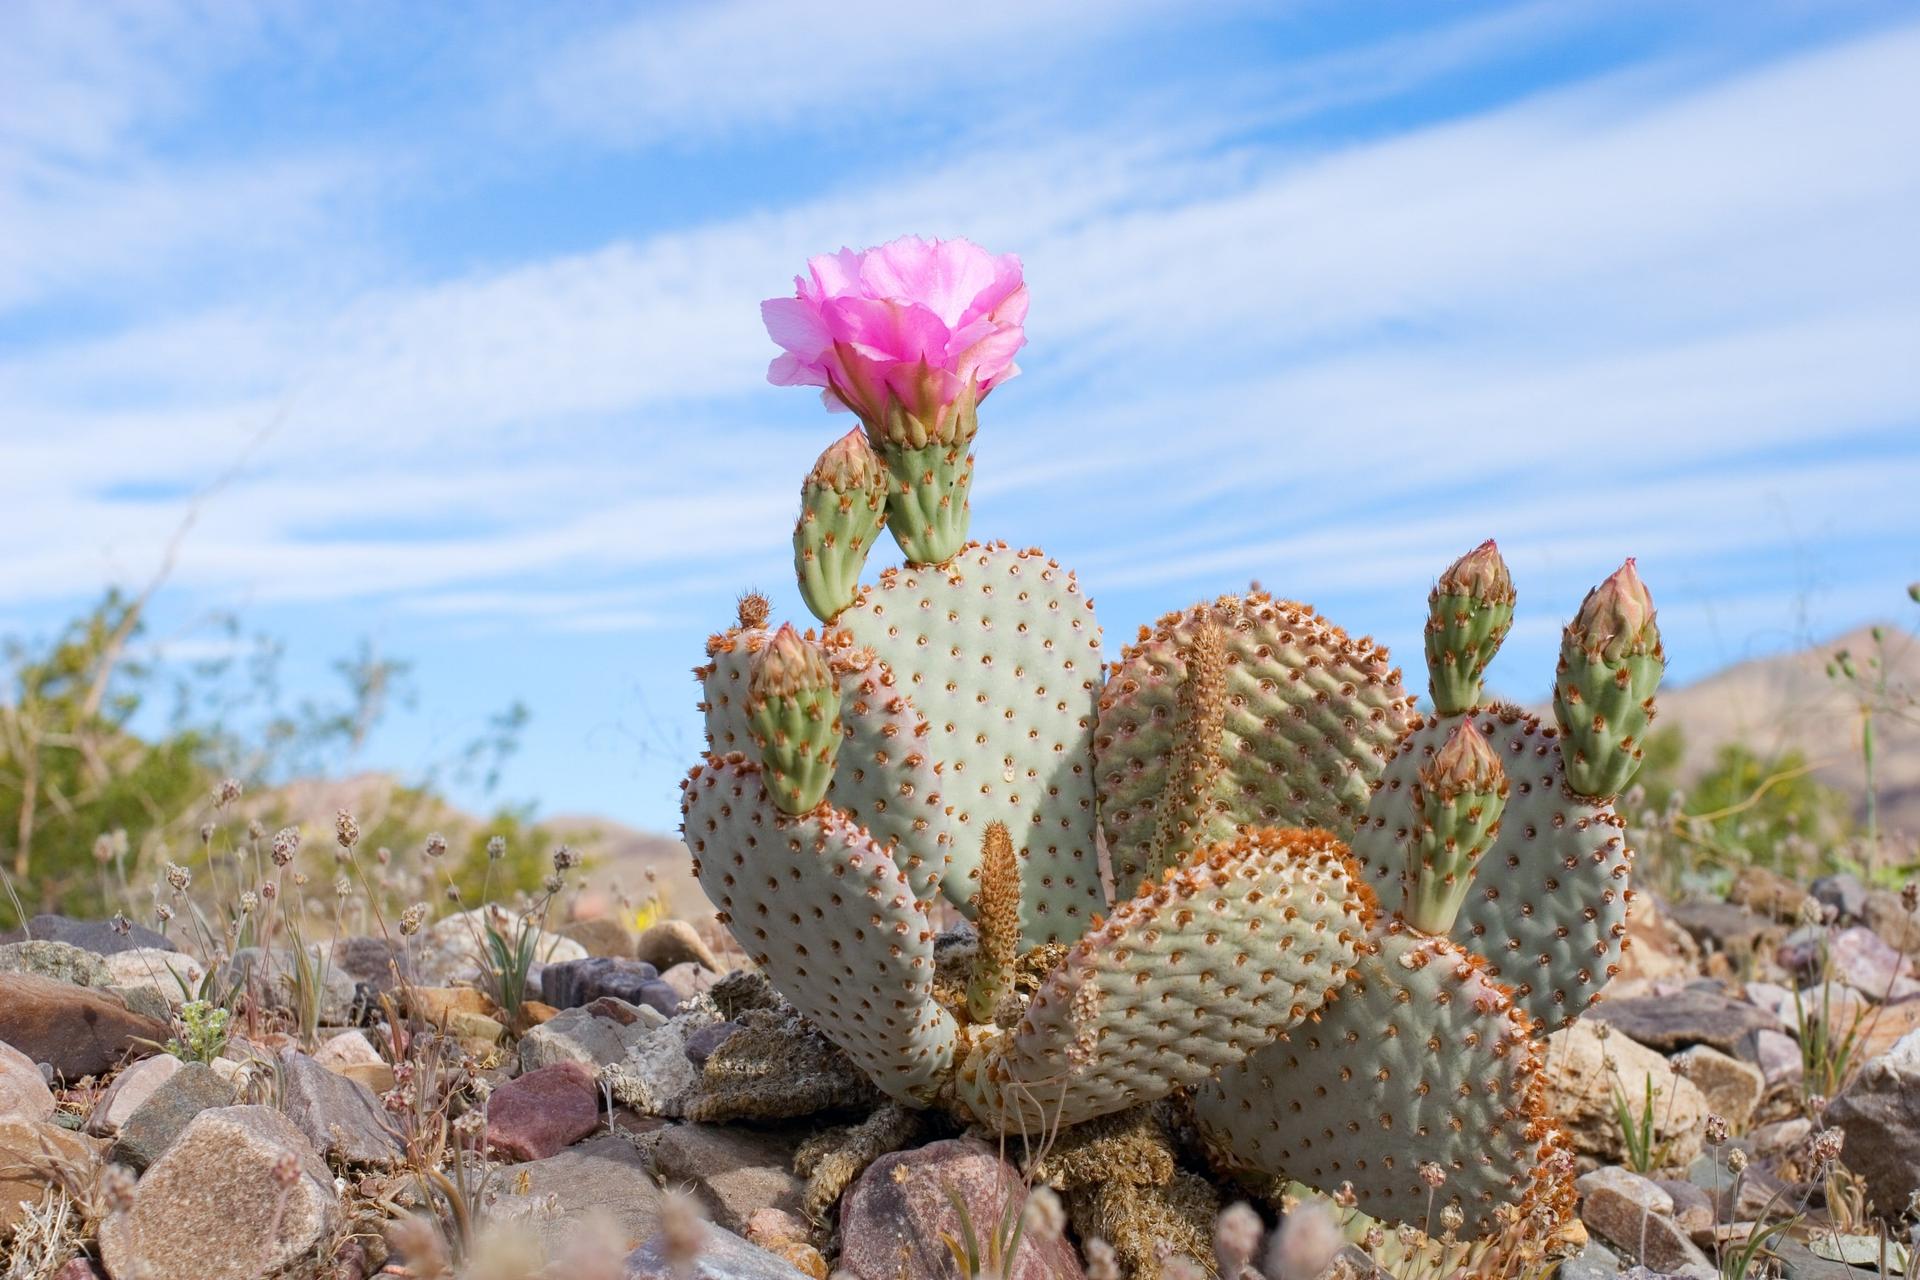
<point x="843" y="503"/>
<point x="930" y="467"/>
<point x="1459" y="797"/>
<point x="1468" y="615"/>
<point x="793" y="704"/>
<point x="1610" y="663"/>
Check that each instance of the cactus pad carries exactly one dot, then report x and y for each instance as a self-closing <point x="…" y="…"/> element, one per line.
<point x="1311" y="719"/>
<point x="820" y="906"/>
<point x="885" y="780"/>
<point x="1548" y="907"/>
<point x="1421" y="1059"/>
<point x="1198" y="970"/>
<point x="1000" y="651"/>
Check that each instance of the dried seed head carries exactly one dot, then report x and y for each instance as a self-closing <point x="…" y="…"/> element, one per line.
<point x="286" y="1169"/>
<point x="565" y="859"/>
<point x="1433" y="1175"/>
<point x="1306" y="1244"/>
<point x="1452" y="1219"/>
<point x="120" y="925"/>
<point x="1716" y="1130"/>
<point x="286" y="843"/>
<point x="178" y="877"/>
<point x="1045" y="1218"/>
<point x="412" y="918"/>
<point x="1736" y="1161"/>
<point x="496" y="848"/>
<point x="1236" y="1238"/>
<point x="1102" y="1262"/>
<point x="226" y="793"/>
<point x="249" y="902"/>
<point x="346" y="832"/>
<point x="436" y="845"/>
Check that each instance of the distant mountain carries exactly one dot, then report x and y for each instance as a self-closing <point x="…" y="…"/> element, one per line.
<point x="1787" y="702"/>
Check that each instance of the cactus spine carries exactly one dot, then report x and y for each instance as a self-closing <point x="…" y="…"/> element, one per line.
<point x="843" y="503"/>
<point x="1610" y="663"/>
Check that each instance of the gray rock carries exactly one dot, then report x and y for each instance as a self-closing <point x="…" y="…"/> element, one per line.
<point x="1594" y="1262"/>
<point x="157" y="1123"/>
<point x="594" y="1035"/>
<point x="1692" y="1207"/>
<point x="1724" y="927"/>
<point x="660" y="996"/>
<point x="1880" y="1114"/>
<point x="129" y="1092"/>
<point x="340" y="1117"/>
<point x="272" y="975"/>
<point x="655" y="1077"/>
<point x="1844" y="893"/>
<point x="1690" y="1016"/>
<point x="60" y="961"/>
<point x="573" y="983"/>
<point x="1887" y="916"/>
<point x="1777" y="1057"/>
<point x="212" y="1207"/>
<point x="735" y="1171"/>
<point x="97" y="936"/>
<point x="723" y="1256"/>
<point x="149" y="969"/>
<point x="603" y="1178"/>
<point x="372" y="962"/>
<point x="1634" y="1215"/>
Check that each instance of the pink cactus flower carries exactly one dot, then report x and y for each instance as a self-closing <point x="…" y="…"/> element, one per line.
<point x="914" y="322"/>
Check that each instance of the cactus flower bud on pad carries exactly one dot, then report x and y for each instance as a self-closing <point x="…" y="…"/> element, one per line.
<point x="1610" y="663"/>
<point x="793" y="703"/>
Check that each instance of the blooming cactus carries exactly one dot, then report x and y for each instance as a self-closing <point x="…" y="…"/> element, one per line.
<point x="1292" y="850"/>
<point x="910" y="336"/>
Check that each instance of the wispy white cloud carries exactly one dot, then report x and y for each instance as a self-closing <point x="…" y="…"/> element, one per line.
<point x="1717" y="270"/>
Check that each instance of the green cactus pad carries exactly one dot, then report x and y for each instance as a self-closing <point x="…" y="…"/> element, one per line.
<point x="1312" y="717"/>
<point x="1548" y="905"/>
<point x="1201" y="968"/>
<point x="820" y="906"/>
<point x="884" y="780"/>
<point x="1000" y="651"/>
<point x="1420" y="1059"/>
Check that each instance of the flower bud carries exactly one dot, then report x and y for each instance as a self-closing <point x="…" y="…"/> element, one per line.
<point x="1469" y="613"/>
<point x="843" y="504"/>
<point x="1611" y="662"/>
<point x="793" y="705"/>
<point x="1458" y="797"/>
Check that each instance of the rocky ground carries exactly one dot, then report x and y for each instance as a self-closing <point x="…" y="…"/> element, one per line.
<point x="377" y="1111"/>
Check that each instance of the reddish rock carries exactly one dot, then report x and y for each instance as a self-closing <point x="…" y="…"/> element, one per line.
<point x="79" y="1030"/>
<point x="23" y="1090"/>
<point x="36" y="1155"/>
<point x="894" y="1217"/>
<point x="543" y="1112"/>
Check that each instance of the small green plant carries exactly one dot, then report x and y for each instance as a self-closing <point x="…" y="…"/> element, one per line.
<point x="202" y="1032"/>
<point x="992" y="1260"/>
<point x="1639" y="1126"/>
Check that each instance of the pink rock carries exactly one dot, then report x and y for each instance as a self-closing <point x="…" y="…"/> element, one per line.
<point x="23" y="1090"/>
<point x="893" y="1219"/>
<point x="542" y="1112"/>
<point x="349" y="1048"/>
<point x="129" y="1089"/>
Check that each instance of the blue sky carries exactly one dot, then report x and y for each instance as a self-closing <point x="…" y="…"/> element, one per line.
<point x="455" y="309"/>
